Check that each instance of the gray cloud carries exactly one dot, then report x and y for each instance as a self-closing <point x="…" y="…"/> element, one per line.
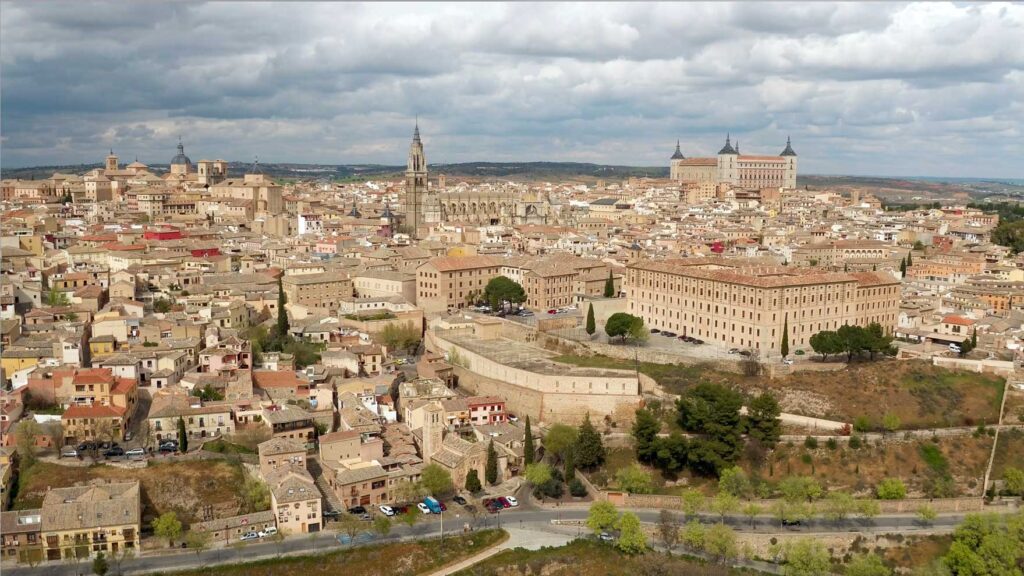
<point x="878" y="88"/>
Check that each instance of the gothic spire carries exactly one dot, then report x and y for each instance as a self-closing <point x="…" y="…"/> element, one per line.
<point x="416" y="131"/>
<point x="789" y="149"/>
<point x="727" y="149"/>
<point x="678" y="154"/>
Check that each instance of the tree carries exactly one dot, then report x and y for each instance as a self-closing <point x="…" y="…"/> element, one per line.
<point x="634" y="479"/>
<point x="724" y="504"/>
<point x="282" y="328"/>
<point x="119" y="556"/>
<point x="800" y="489"/>
<point x="473" y="481"/>
<point x="591" y="323"/>
<point x="987" y="544"/>
<point x="720" y="541"/>
<point x="910" y="258"/>
<point x="100" y="566"/>
<point x="693" y="502"/>
<point x="839" y="505"/>
<point x="25" y="441"/>
<point x="825" y="343"/>
<point x="645" y="431"/>
<point x="182" y="435"/>
<point x="559" y="440"/>
<point x="668" y="529"/>
<point x="609" y="285"/>
<point x="806" y="557"/>
<point x="538" y="474"/>
<point x="57" y="298"/>
<point x="491" y="467"/>
<point x="436" y="480"/>
<point x="891" y="489"/>
<point x="890" y="421"/>
<point x="903" y="267"/>
<point x="1013" y="481"/>
<point x="351" y="526"/>
<point x="398" y="336"/>
<point x="713" y="410"/>
<point x="382" y="525"/>
<point x="869" y="508"/>
<point x="602" y="516"/>
<point x="762" y="420"/>
<point x="632" y="539"/>
<point x="255" y="495"/>
<point x="167" y="526"/>
<point x="974" y="338"/>
<point x="751" y="510"/>
<point x="693" y="534"/>
<point x="198" y="541"/>
<point x="926" y="514"/>
<point x="867" y="564"/>
<point x="528" y="451"/>
<point x="623" y="325"/>
<point x="589" y="451"/>
<point x="784" y="347"/>
<point x="503" y="289"/>
<point x="410" y="517"/>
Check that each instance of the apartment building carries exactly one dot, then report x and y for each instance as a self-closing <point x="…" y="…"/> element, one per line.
<point x="321" y="291"/>
<point x="91" y="519"/>
<point x="445" y="283"/>
<point x="281" y="453"/>
<point x="295" y="501"/>
<point x="748" y="307"/>
<point x="200" y="421"/>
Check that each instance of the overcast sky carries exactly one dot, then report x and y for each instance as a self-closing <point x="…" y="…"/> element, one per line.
<point x="874" y="88"/>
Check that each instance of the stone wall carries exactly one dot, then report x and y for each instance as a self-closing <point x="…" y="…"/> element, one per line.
<point x="1000" y="367"/>
<point x="908" y="506"/>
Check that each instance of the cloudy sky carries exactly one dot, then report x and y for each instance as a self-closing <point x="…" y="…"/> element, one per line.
<point x="874" y="88"/>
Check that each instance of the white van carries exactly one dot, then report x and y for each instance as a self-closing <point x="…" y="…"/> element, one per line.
<point x="954" y="348"/>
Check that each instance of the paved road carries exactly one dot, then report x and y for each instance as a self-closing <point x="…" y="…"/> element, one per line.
<point x="531" y="519"/>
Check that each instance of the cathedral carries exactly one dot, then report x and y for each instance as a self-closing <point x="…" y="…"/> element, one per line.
<point x="735" y="169"/>
<point x="484" y="205"/>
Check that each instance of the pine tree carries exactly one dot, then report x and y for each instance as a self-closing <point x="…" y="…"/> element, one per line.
<point x="591" y="324"/>
<point x="609" y="286"/>
<point x="491" y="469"/>
<point x="528" y="450"/>
<point x="903" y="266"/>
<point x="785" y="338"/>
<point x="910" y="259"/>
<point x="589" y="449"/>
<point x="182" y="435"/>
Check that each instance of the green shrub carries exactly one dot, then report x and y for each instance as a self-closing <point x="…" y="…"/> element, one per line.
<point x="811" y="443"/>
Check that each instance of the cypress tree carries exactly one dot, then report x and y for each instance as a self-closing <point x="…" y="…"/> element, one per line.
<point x="282" y="314"/>
<point x="910" y="258"/>
<point x="903" y="266"/>
<point x="609" y="286"/>
<point x="182" y="435"/>
<point x="491" y="469"/>
<point x="974" y="339"/>
<point x="591" y="324"/>
<point x="785" y="338"/>
<point x="528" y="450"/>
<point x="589" y="450"/>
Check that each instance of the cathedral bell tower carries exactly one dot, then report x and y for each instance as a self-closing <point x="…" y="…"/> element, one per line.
<point x="415" y="185"/>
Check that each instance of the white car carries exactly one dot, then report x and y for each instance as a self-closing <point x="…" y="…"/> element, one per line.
<point x="249" y="536"/>
<point x="387" y="510"/>
<point x="787" y="361"/>
<point x="512" y="500"/>
<point x="269" y="531"/>
<point x="423" y="508"/>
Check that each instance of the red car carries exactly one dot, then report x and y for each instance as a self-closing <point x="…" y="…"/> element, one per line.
<point x="443" y="507"/>
<point x="504" y="502"/>
<point x="552" y="311"/>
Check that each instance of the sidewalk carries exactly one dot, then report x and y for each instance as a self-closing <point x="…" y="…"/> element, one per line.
<point x="517" y="538"/>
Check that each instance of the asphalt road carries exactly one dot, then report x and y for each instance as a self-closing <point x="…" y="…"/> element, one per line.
<point x="454" y="521"/>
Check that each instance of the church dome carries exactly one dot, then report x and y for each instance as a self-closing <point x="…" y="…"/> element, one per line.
<point x="180" y="157"/>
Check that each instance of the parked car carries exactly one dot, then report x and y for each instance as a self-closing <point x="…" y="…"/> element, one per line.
<point x="745" y="353"/>
<point x="403" y="509"/>
<point x="433" y="505"/>
<point x="787" y="361"/>
<point x="606" y="537"/>
<point x="249" y="536"/>
<point x="512" y="501"/>
<point x="135" y="452"/>
<point x="169" y="447"/>
<point x="504" y="502"/>
<point x="423" y="508"/>
<point x="733" y="350"/>
<point x="513" y="418"/>
<point x="655" y="331"/>
<point x="69" y="452"/>
<point x="268" y="531"/>
<point x="387" y="510"/>
<point x="86" y="447"/>
<point x="552" y="311"/>
<point x="113" y="452"/>
<point x="331" y="514"/>
<point x="669" y="334"/>
<point x="127" y="436"/>
<point x="357" y="510"/>
<point x="459" y="500"/>
<point x="107" y="445"/>
<point x="791" y="523"/>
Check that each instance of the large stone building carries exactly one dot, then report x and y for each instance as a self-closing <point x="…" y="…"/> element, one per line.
<point x="480" y="206"/>
<point x="84" y="521"/>
<point x="736" y="170"/>
<point x="445" y="283"/>
<point x="725" y="303"/>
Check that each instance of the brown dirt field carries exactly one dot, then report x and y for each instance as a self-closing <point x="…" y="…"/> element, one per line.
<point x="1009" y="452"/>
<point x="1014" y="407"/>
<point x="918" y="551"/>
<point x="921" y="395"/>
<point x="860" y="470"/>
<point x="184" y="487"/>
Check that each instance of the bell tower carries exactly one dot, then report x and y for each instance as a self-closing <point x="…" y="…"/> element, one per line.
<point x="111" y="163"/>
<point x="415" y="184"/>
